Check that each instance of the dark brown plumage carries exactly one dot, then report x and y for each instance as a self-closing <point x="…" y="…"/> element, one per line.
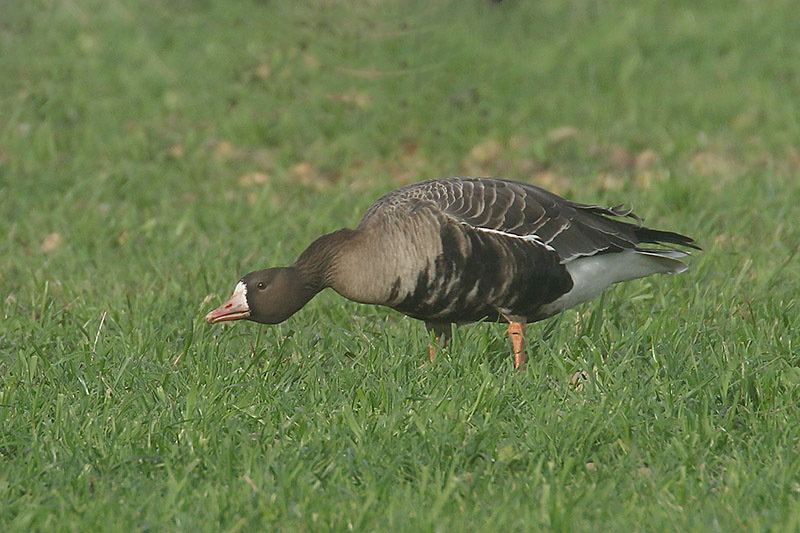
<point x="458" y="250"/>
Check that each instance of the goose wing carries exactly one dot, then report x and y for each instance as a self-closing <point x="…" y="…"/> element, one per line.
<point x="521" y="211"/>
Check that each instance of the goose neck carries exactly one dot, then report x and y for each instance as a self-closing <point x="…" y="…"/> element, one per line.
<point x="317" y="262"/>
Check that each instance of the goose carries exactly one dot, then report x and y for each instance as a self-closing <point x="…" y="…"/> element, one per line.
<point x="460" y="250"/>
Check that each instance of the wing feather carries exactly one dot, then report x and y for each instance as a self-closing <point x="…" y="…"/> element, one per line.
<point x="519" y="210"/>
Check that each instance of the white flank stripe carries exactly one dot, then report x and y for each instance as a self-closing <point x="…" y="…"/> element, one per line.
<point x="529" y="238"/>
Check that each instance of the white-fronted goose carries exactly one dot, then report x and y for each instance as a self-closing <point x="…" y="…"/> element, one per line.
<point x="459" y="250"/>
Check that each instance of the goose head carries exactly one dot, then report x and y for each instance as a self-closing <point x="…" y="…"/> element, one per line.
<point x="266" y="296"/>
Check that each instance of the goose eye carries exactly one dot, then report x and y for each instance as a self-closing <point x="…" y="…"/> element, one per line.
<point x="261" y="285"/>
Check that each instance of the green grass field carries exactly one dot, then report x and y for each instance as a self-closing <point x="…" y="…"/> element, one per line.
<point x="153" y="152"/>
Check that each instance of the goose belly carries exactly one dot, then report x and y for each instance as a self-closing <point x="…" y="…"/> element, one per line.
<point x="479" y="275"/>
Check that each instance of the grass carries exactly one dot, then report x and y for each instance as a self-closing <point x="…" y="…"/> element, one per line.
<point x="153" y="152"/>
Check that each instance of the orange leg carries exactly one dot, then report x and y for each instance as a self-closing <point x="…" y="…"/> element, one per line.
<point x="441" y="332"/>
<point x="516" y="331"/>
<point x="441" y="340"/>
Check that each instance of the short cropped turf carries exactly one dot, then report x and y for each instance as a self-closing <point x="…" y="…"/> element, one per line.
<point x="152" y="152"/>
